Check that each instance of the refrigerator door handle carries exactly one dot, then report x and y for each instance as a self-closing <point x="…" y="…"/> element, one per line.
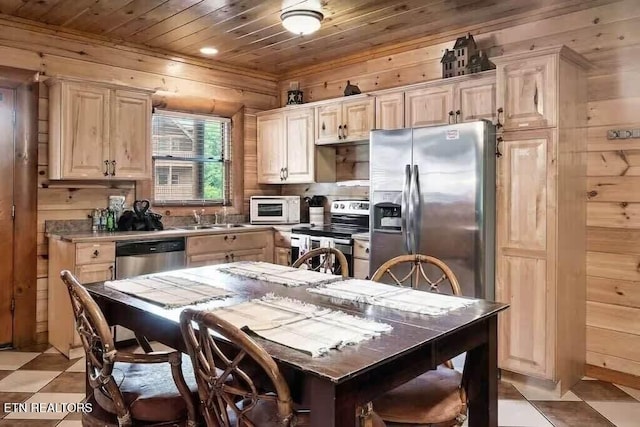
<point x="416" y="210"/>
<point x="405" y="219"/>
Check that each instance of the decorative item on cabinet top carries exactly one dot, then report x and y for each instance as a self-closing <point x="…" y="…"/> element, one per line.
<point x="351" y="89"/>
<point x="98" y="131"/>
<point x="294" y="94"/>
<point x="465" y="58"/>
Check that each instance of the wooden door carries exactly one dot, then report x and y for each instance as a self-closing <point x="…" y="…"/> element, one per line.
<point x="328" y="119"/>
<point x="390" y="111"/>
<point x="358" y="119"/>
<point x="300" y="163"/>
<point x="272" y="156"/>
<point x="85" y="132"/>
<point x="130" y="144"/>
<point x="428" y="107"/>
<point x="476" y="99"/>
<point x="527" y="93"/>
<point x="7" y="108"/>
<point x="524" y="238"/>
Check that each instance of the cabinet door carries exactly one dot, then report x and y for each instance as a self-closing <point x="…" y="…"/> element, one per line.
<point x="130" y="146"/>
<point x="272" y="156"/>
<point x="328" y="118"/>
<point x="85" y="133"/>
<point x="357" y="119"/>
<point x="428" y="107"/>
<point x="360" y="268"/>
<point x="476" y="100"/>
<point x="300" y="164"/>
<point x="390" y="111"/>
<point x="524" y="240"/>
<point x="527" y="93"/>
<point x="282" y="256"/>
<point x="213" y="258"/>
<point x="91" y="273"/>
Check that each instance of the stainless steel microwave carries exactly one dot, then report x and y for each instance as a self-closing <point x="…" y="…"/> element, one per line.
<point x="275" y="209"/>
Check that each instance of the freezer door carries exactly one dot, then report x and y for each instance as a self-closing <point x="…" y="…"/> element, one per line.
<point x="450" y="224"/>
<point x="389" y="161"/>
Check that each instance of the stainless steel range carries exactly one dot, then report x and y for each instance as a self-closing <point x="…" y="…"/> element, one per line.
<point x="348" y="217"/>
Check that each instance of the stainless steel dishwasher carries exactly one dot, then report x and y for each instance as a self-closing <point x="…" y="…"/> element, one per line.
<point x="134" y="258"/>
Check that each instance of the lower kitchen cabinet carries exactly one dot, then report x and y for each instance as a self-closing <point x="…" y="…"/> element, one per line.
<point x="230" y="247"/>
<point x="282" y="248"/>
<point x="360" y="259"/>
<point x="89" y="262"/>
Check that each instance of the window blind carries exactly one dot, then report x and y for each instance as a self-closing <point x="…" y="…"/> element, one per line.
<point x="191" y="159"/>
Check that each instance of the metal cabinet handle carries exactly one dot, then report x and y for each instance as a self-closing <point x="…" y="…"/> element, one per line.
<point x="233" y="238"/>
<point x="233" y="257"/>
<point x="281" y="174"/>
<point x="226" y="237"/>
<point x="498" y="141"/>
<point x="450" y="116"/>
<point x="96" y="253"/>
<point x="344" y="131"/>
<point x="113" y="168"/>
<point x="323" y="126"/>
<point x="286" y="173"/>
<point x="106" y="168"/>
<point x="458" y="113"/>
<point x="498" y="124"/>
<point x="111" y="270"/>
<point x="366" y="251"/>
<point x="226" y="257"/>
<point x="340" y="132"/>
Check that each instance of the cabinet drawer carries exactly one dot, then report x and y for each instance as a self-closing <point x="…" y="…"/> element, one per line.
<point x="282" y="239"/>
<point x="226" y="256"/>
<point x="90" y="273"/>
<point x="227" y="242"/>
<point x="360" y="268"/>
<point x="361" y="249"/>
<point x="95" y="253"/>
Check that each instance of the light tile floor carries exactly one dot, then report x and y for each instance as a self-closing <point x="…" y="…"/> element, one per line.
<point x="48" y="377"/>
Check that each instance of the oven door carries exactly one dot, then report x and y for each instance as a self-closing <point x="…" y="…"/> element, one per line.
<point x="343" y="245"/>
<point x="268" y="211"/>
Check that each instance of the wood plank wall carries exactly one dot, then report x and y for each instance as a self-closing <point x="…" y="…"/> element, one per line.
<point x="31" y="48"/>
<point x="609" y="36"/>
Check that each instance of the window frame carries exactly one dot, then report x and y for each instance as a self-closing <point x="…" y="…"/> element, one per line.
<point x="228" y="161"/>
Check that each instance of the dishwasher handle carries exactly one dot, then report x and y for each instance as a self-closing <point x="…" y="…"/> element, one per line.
<point x="146" y="247"/>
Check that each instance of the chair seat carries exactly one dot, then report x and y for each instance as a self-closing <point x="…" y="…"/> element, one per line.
<point x="264" y="414"/>
<point x="150" y="391"/>
<point x="433" y="397"/>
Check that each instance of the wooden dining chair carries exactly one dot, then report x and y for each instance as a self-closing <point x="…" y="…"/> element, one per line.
<point x="129" y="388"/>
<point x="325" y="263"/>
<point x="438" y="397"/>
<point x="247" y="401"/>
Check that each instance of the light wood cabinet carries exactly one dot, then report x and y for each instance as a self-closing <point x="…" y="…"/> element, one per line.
<point x="390" y="111"/>
<point x="361" y="259"/>
<point x="428" y="107"/>
<point x="344" y="121"/>
<point x="286" y="150"/>
<point x="541" y="216"/>
<point x="89" y="262"/>
<point x="282" y="247"/>
<point x="98" y="131"/>
<point x="527" y="92"/>
<point x="475" y="99"/>
<point x="222" y="248"/>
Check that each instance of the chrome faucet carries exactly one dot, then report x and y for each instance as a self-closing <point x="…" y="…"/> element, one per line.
<point x="198" y="216"/>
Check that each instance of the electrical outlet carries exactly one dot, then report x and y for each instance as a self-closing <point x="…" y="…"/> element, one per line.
<point x="623" y="133"/>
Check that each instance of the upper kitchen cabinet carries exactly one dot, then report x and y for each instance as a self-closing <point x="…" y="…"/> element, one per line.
<point x="390" y="111"/>
<point x="475" y="99"/>
<point x="98" y="132"/>
<point x="345" y="121"/>
<point x="527" y="91"/>
<point x="286" y="150"/>
<point x="428" y="107"/>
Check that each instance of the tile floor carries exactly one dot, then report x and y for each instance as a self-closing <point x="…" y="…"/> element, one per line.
<point x="48" y="377"/>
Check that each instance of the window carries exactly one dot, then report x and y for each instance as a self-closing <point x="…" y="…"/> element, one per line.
<point x="191" y="159"/>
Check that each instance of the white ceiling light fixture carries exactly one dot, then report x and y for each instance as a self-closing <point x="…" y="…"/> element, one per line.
<point x="302" y="21"/>
<point x="208" y="50"/>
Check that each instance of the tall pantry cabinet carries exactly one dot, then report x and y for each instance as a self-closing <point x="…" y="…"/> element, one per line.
<point x="541" y="214"/>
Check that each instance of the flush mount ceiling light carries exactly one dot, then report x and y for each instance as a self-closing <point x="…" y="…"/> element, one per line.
<point x="208" y="50"/>
<point x="301" y="21"/>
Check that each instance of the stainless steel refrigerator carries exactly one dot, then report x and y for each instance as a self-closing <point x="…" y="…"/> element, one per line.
<point x="433" y="192"/>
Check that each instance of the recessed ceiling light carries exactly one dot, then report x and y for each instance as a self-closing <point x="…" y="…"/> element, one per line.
<point x="208" y="50"/>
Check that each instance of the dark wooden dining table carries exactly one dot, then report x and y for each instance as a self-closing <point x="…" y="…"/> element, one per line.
<point x="334" y="386"/>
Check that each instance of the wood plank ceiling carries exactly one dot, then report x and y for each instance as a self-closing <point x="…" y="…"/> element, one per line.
<point x="248" y="33"/>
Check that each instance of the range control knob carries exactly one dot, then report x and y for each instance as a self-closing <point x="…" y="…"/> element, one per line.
<point x="335" y="206"/>
<point x="341" y="205"/>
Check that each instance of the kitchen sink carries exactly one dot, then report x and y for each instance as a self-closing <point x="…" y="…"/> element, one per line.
<point x="230" y="225"/>
<point x="209" y="226"/>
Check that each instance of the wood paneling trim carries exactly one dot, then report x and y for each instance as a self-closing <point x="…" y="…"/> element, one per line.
<point x="613" y="291"/>
<point x="620" y="344"/>
<point x="613" y="317"/>
<point x="613" y="369"/>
